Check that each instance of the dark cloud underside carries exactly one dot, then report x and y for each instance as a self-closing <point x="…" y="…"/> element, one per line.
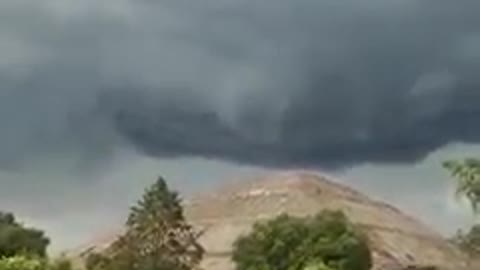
<point x="282" y="82"/>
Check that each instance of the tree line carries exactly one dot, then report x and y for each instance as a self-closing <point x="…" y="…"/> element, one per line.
<point x="158" y="237"/>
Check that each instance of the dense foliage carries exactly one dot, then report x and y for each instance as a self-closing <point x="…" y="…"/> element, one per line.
<point x="467" y="174"/>
<point x="327" y="241"/>
<point x="157" y="237"/>
<point x="16" y="239"/>
<point x="469" y="241"/>
<point x="33" y="263"/>
<point x="22" y="263"/>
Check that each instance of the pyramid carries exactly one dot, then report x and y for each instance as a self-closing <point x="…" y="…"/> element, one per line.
<point x="397" y="240"/>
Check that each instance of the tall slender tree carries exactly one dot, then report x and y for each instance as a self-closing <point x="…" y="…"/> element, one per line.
<point x="157" y="236"/>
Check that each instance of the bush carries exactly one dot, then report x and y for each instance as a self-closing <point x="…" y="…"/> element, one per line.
<point x="327" y="241"/>
<point x="96" y="261"/>
<point x="22" y="263"/>
<point x="24" y="248"/>
<point x="61" y="264"/>
<point x="467" y="174"/>
<point x="317" y="266"/>
<point x="470" y="241"/>
<point x="33" y="263"/>
<point x="15" y="239"/>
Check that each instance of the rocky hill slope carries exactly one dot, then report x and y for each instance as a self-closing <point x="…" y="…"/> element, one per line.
<point x="398" y="241"/>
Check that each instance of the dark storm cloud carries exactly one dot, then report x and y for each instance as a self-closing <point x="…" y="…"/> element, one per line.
<point x="269" y="82"/>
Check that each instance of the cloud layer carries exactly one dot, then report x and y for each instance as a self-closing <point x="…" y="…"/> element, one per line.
<point x="323" y="83"/>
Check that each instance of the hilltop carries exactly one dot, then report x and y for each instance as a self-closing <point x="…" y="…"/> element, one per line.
<point x="398" y="241"/>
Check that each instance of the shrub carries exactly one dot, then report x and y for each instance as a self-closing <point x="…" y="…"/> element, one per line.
<point x="22" y="263"/>
<point x="33" y="263"/>
<point x="15" y="239"/>
<point x="467" y="175"/>
<point x="61" y="264"/>
<point x="469" y="241"/>
<point x="327" y="241"/>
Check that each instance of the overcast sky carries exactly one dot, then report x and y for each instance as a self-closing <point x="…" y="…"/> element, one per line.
<point x="98" y="97"/>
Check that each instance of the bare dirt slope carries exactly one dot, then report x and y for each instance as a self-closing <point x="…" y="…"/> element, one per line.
<point x="397" y="240"/>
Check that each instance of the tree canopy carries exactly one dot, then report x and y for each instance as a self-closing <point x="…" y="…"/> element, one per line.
<point x="21" y="263"/>
<point x="16" y="239"/>
<point x="467" y="174"/>
<point x="33" y="263"/>
<point x="157" y="236"/>
<point x="327" y="241"/>
<point x="469" y="241"/>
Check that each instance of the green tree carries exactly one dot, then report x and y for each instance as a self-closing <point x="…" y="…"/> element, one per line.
<point x="157" y="236"/>
<point x="467" y="174"/>
<point x="317" y="266"/>
<point x="22" y="263"/>
<point x="470" y="241"/>
<point x="97" y="261"/>
<point x="327" y="241"/>
<point x="16" y="239"/>
<point x="62" y="263"/>
<point x="33" y="263"/>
